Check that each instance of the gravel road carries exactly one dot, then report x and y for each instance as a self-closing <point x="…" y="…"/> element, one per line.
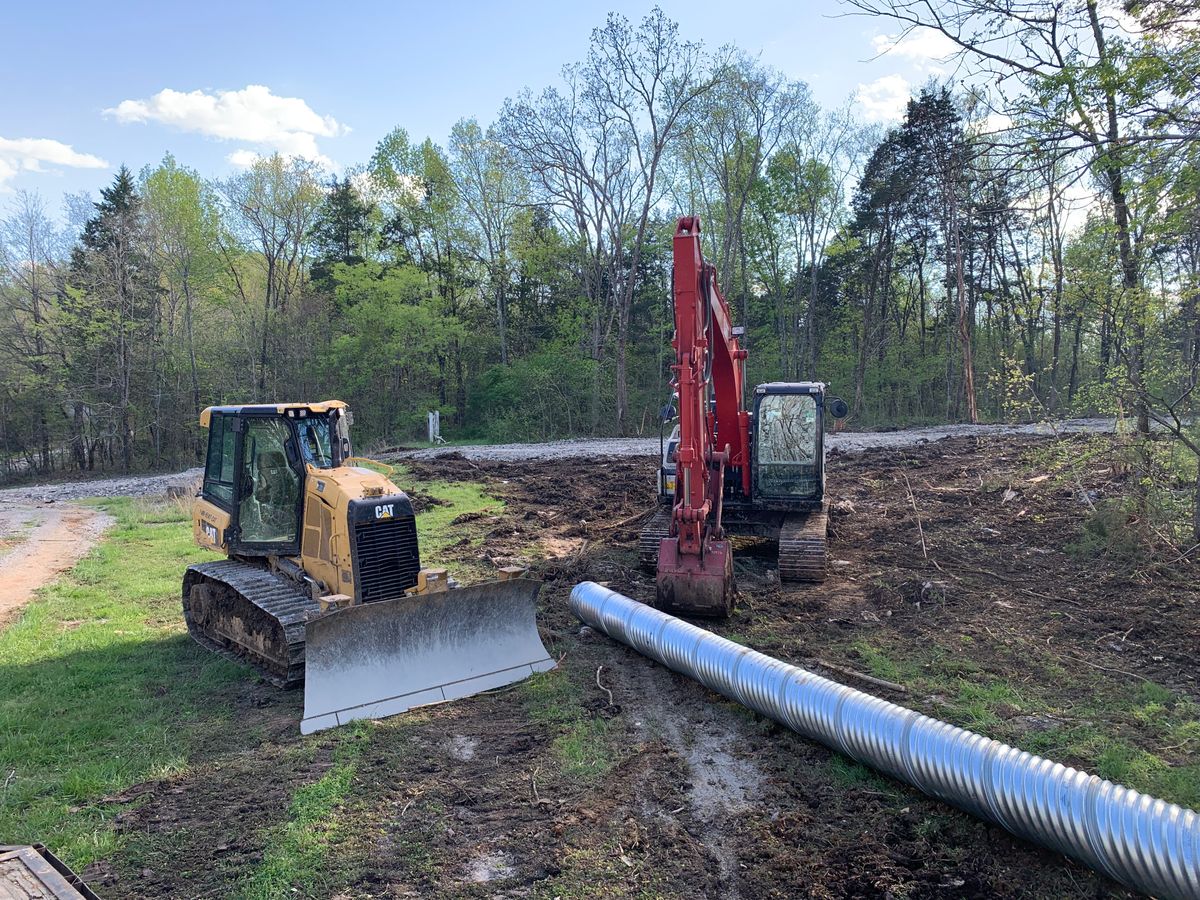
<point x="846" y="442"/>
<point x="130" y="486"/>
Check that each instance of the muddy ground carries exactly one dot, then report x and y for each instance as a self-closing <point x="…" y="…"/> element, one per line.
<point x="952" y="571"/>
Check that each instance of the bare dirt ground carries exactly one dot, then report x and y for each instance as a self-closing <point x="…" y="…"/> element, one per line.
<point x="39" y="542"/>
<point x="953" y="575"/>
<point x="616" y="777"/>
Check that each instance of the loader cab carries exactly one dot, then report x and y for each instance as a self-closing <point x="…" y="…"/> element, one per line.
<point x="256" y="465"/>
<point x="788" y="450"/>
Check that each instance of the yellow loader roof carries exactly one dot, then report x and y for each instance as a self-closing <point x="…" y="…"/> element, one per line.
<point x="322" y="406"/>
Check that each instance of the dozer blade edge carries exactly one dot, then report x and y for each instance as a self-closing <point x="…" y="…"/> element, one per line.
<point x="380" y="659"/>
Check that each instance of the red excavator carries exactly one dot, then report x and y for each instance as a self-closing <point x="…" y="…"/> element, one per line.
<point x="728" y="470"/>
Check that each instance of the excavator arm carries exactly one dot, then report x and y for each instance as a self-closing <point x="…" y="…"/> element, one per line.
<point x="695" y="563"/>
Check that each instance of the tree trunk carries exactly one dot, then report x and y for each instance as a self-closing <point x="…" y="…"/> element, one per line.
<point x="1113" y="168"/>
<point x="622" y="387"/>
<point x="197" y="443"/>
<point x="1196" y="505"/>
<point x="502" y="319"/>
<point x="1073" y="382"/>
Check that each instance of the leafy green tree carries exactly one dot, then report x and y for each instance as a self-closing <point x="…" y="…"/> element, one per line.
<point x="112" y="303"/>
<point x="343" y="231"/>
<point x="269" y="213"/>
<point x="183" y="228"/>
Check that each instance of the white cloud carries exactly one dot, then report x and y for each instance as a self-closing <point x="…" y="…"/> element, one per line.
<point x="884" y="99"/>
<point x="252" y="115"/>
<point x="30" y="154"/>
<point x="925" y="49"/>
<point x="244" y="158"/>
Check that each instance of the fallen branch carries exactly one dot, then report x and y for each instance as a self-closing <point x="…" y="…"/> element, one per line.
<point x="920" y="528"/>
<point x="626" y="521"/>
<point x="602" y="687"/>
<point x="861" y="676"/>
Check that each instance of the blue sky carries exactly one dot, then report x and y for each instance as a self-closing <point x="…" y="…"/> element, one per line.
<point x="90" y="86"/>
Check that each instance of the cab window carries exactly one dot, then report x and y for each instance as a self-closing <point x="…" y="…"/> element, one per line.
<point x="786" y="448"/>
<point x="315" y="446"/>
<point x="268" y="512"/>
<point x="218" y="467"/>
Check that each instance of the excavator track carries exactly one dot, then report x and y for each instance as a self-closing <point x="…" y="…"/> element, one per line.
<point x="803" y="539"/>
<point x="656" y="528"/>
<point x="249" y="615"/>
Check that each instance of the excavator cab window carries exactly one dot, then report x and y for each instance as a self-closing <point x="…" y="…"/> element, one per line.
<point x="787" y="447"/>
<point x="269" y="496"/>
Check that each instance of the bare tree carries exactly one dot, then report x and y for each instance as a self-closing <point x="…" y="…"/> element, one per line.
<point x="1051" y="62"/>
<point x="28" y="266"/>
<point x="597" y="151"/>
<point x="729" y="134"/>
<point x="494" y="191"/>
<point x="271" y="207"/>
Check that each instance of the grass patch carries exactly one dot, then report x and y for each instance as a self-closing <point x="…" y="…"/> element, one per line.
<point x="584" y="746"/>
<point x="855" y="776"/>
<point x="877" y="663"/>
<point x="102" y="687"/>
<point x="294" y="860"/>
<point x="462" y="517"/>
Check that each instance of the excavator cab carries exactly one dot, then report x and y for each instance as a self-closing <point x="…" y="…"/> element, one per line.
<point x="788" y="455"/>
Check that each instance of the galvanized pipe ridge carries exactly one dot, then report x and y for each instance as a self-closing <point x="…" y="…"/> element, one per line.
<point x="1147" y="843"/>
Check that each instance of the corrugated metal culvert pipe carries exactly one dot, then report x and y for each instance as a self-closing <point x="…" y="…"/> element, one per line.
<point x="1148" y="844"/>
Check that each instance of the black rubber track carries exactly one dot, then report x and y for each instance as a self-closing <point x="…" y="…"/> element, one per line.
<point x="263" y="594"/>
<point x="803" y="539"/>
<point x="653" y="532"/>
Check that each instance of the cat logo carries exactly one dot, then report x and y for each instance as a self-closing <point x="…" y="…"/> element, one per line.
<point x="210" y="532"/>
<point x="384" y="511"/>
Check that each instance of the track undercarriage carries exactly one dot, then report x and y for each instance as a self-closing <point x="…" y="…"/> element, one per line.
<point x="249" y="615"/>
<point x="802" y="538"/>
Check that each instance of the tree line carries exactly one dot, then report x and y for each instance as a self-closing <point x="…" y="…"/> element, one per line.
<point x="1025" y="243"/>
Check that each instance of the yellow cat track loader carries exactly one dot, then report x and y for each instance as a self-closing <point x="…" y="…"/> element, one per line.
<point x="322" y="581"/>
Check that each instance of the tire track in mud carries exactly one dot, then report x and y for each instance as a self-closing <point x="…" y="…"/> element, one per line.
<point x="723" y="785"/>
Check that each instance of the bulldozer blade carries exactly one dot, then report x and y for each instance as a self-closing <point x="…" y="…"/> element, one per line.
<point x="379" y="659"/>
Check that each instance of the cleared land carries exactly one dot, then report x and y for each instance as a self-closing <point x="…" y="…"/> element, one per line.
<point x="170" y="772"/>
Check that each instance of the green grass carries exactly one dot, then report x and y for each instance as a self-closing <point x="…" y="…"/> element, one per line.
<point x="855" y="776"/>
<point x="438" y="531"/>
<point x="1134" y="732"/>
<point x="584" y="747"/>
<point x="101" y="687"/>
<point x="295" y="858"/>
<point x="878" y="663"/>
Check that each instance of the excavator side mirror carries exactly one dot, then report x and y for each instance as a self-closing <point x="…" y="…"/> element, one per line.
<point x="838" y="408"/>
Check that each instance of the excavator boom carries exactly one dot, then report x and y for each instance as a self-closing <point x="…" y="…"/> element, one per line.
<point x="695" y="562"/>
